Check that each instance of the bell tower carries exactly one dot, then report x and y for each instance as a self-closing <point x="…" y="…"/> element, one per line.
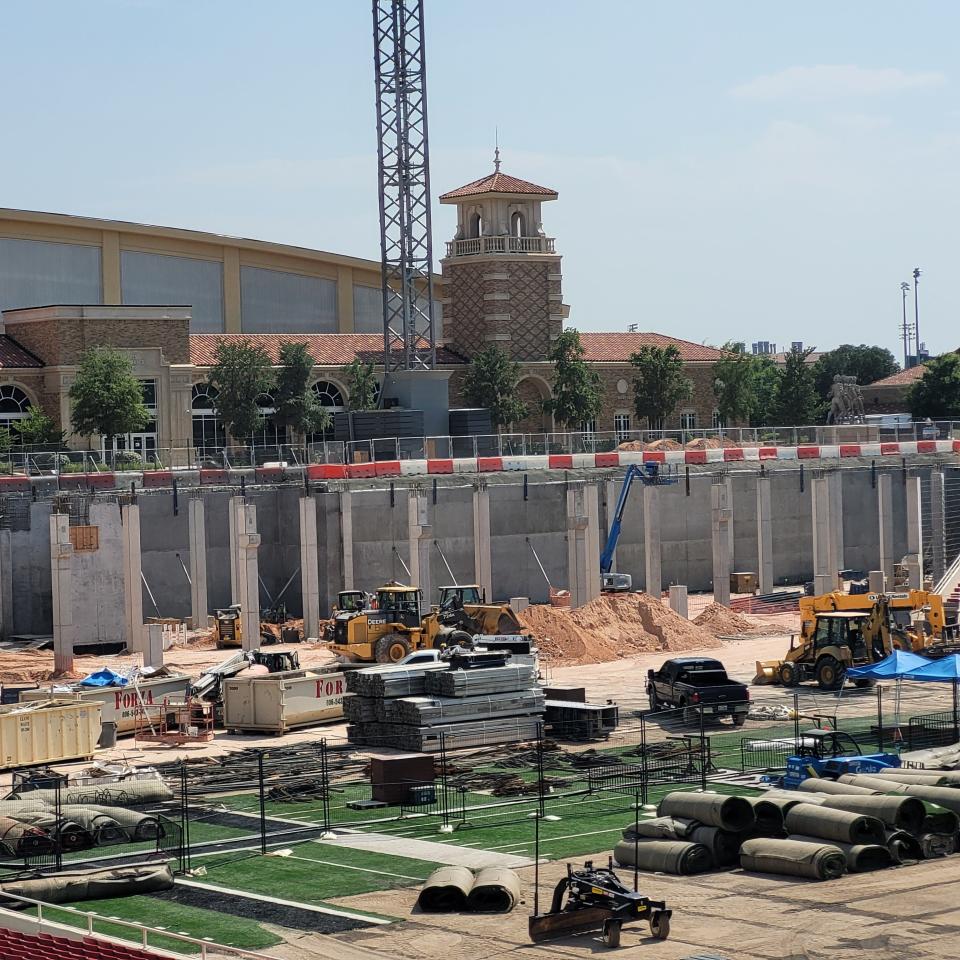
<point x="503" y="272"/>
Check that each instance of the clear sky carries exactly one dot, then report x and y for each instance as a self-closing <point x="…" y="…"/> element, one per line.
<point x="726" y="170"/>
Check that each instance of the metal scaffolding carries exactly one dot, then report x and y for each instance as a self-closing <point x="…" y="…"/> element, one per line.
<point x="406" y="245"/>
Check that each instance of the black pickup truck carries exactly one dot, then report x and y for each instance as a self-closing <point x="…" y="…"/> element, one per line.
<point x="692" y="683"/>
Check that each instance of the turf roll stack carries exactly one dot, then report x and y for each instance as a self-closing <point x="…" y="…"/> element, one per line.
<point x="841" y="825"/>
<point x="495" y="890"/>
<point x="860" y="857"/>
<point x="446" y="890"/>
<point x="711" y="809"/>
<point x="677" y="857"/>
<point x="793" y="858"/>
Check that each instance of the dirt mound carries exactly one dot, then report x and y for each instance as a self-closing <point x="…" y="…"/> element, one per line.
<point x="632" y="445"/>
<point x="712" y="443"/>
<point x="665" y="444"/>
<point x="721" y="621"/>
<point x="610" y="627"/>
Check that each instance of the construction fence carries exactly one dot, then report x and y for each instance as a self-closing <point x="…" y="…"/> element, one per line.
<point x="257" y="800"/>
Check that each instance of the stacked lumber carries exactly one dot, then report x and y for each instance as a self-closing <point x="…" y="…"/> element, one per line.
<point x="481" y="682"/>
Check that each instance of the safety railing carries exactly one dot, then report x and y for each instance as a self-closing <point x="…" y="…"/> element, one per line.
<point x="504" y="244"/>
<point x="204" y="948"/>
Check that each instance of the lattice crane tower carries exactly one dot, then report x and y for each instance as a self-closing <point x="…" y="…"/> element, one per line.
<point x="406" y="246"/>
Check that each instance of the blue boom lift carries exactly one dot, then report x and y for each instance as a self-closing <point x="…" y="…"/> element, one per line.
<point x="649" y="475"/>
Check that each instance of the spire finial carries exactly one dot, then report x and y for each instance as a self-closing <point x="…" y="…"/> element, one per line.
<point x="496" y="152"/>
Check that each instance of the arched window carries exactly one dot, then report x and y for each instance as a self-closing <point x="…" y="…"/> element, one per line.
<point x="332" y="400"/>
<point x="518" y="224"/>
<point x="270" y="433"/>
<point x="14" y="406"/>
<point x="208" y="432"/>
<point x="475" y="226"/>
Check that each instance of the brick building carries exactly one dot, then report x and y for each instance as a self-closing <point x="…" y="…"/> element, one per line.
<point x="501" y="283"/>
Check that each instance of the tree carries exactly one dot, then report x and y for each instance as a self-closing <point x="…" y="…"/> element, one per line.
<point x="491" y="382"/>
<point x="296" y="404"/>
<point x="766" y="387"/>
<point x="241" y="375"/>
<point x="361" y="385"/>
<point x="659" y="384"/>
<point x="106" y="398"/>
<point x="868" y="364"/>
<point x="937" y="393"/>
<point x="797" y="402"/>
<point x="37" y="429"/>
<point x="577" y="389"/>
<point x="733" y="383"/>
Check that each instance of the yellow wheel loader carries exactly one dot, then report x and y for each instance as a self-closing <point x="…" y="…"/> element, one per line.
<point x="466" y="606"/>
<point x="392" y="626"/>
<point x="839" y="630"/>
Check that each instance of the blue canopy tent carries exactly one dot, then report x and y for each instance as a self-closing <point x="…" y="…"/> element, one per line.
<point x="945" y="670"/>
<point x="898" y="665"/>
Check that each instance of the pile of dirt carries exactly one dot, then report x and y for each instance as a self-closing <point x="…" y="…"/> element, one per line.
<point x="712" y="443"/>
<point x="634" y="446"/>
<point x="610" y="627"/>
<point x="721" y="621"/>
<point x="665" y="444"/>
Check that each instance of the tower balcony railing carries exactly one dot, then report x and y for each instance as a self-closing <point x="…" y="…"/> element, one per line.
<point x="485" y="245"/>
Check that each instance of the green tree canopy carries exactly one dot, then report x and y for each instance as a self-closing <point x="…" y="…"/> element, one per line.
<point x="577" y="389"/>
<point x="659" y="384"/>
<point x="361" y="385"/>
<point x="491" y="381"/>
<point x="868" y="364"/>
<point x="733" y="383"/>
<point x="297" y="405"/>
<point x="242" y="373"/>
<point x="766" y="387"/>
<point x="106" y="398"/>
<point x="937" y="393"/>
<point x="797" y="402"/>
<point x="37" y="429"/>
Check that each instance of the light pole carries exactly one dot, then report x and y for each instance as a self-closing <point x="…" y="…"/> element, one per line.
<point x="905" y="328"/>
<point x="916" y="313"/>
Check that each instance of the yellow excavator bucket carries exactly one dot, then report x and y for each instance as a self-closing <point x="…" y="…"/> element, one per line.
<point x="768" y="671"/>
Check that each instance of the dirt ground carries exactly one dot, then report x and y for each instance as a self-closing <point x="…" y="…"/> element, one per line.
<point x="906" y="913"/>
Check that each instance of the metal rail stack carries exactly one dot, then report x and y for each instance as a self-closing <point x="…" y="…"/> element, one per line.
<point x="448" y="705"/>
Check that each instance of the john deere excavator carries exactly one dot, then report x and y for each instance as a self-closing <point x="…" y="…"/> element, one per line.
<point x="839" y="630"/>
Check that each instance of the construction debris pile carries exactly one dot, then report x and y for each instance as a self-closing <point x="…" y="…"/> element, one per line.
<point x="474" y="699"/>
<point x="818" y="832"/>
<point x="611" y="627"/>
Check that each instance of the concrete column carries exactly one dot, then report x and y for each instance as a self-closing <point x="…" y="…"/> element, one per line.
<point x="583" y="542"/>
<point x="938" y="526"/>
<point x="6" y="585"/>
<point x="885" y="520"/>
<point x="153" y="648"/>
<point x="611" y="492"/>
<point x="234" y="511"/>
<point x="720" y="517"/>
<point x="652" y="558"/>
<point x="309" y="568"/>
<point x="728" y="483"/>
<point x="824" y="551"/>
<point x="482" y="553"/>
<point x="197" y="531"/>
<point x="132" y="578"/>
<point x="764" y="536"/>
<point x="914" y="532"/>
<point x="678" y="599"/>
<point x="835" y="483"/>
<point x="346" y="538"/>
<point x="61" y="582"/>
<point x="248" y="575"/>
<point x="420" y="537"/>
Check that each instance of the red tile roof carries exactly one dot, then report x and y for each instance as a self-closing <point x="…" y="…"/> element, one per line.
<point x="13" y="355"/>
<point x="498" y="182"/>
<point x="902" y="378"/>
<point x="327" y="349"/>
<point x="617" y="347"/>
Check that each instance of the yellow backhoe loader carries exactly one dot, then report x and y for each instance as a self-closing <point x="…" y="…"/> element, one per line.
<point x="839" y="630"/>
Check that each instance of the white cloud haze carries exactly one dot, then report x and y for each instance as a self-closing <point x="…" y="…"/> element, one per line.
<point x="825" y="82"/>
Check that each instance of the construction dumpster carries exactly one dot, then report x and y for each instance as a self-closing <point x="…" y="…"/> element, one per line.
<point x="47" y="731"/>
<point x="279" y="702"/>
<point x="119" y="704"/>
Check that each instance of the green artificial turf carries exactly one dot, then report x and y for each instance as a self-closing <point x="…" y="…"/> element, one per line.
<point x="195" y="922"/>
<point x="314" y="873"/>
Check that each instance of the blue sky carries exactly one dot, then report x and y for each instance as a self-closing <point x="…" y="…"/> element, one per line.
<point x="735" y="170"/>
